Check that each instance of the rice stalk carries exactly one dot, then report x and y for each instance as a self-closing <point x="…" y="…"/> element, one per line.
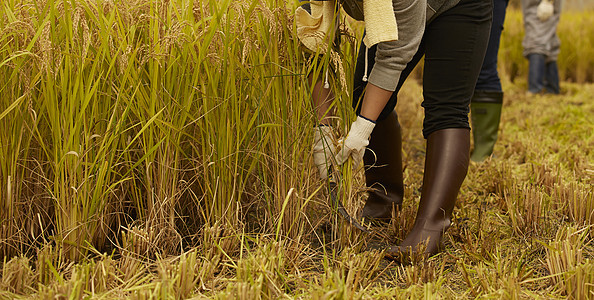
<point x="349" y="273"/>
<point x="566" y="262"/>
<point x="17" y="276"/>
<point x="577" y="202"/>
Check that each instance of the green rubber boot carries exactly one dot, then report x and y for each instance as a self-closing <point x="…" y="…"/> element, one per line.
<point x="485" y="113"/>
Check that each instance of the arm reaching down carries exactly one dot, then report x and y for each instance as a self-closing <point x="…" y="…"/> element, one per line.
<point x="391" y="58"/>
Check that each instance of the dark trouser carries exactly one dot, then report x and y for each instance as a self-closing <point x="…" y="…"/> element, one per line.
<point x="488" y="95"/>
<point x="454" y="46"/>
<point x="542" y="74"/>
<point x="488" y="79"/>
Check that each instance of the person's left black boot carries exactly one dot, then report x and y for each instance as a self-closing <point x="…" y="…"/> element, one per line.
<point x="536" y="72"/>
<point x="446" y="165"/>
<point x="552" y="78"/>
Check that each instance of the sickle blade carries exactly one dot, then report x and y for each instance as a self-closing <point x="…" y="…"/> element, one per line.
<point x="337" y="205"/>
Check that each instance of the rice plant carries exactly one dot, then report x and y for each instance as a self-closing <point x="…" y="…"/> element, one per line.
<point x="162" y="149"/>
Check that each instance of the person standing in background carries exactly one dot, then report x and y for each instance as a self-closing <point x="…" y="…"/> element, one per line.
<point x="541" y="44"/>
<point x="486" y="103"/>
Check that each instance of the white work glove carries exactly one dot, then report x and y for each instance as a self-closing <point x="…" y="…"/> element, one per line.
<point x="323" y="149"/>
<point x="355" y="142"/>
<point x="544" y="10"/>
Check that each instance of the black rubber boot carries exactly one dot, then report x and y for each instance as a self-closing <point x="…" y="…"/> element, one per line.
<point x="446" y="165"/>
<point x="383" y="170"/>
<point x="485" y="115"/>
<point x="536" y="72"/>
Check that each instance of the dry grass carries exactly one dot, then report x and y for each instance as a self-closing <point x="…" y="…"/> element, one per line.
<point x="161" y="149"/>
